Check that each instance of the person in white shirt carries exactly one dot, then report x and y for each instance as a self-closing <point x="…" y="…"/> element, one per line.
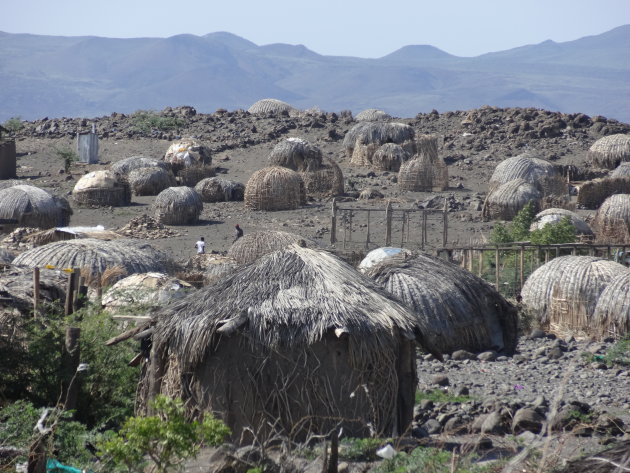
<point x="201" y="246"/>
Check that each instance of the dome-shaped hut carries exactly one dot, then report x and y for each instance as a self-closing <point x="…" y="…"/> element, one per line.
<point x="612" y="219"/>
<point x="150" y="180"/>
<point x="217" y="189"/>
<point x="296" y="154"/>
<point x="144" y="290"/>
<point x="190" y="161"/>
<point x="372" y="115"/>
<point x="178" y="206"/>
<point x="389" y="157"/>
<point x="363" y="139"/>
<point x="505" y="201"/>
<point x="326" y="181"/>
<point x="281" y="329"/>
<point x="93" y="256"/>
<point x="610" y="151"/>
<point x="29" y="206"/>
<point x="422" y="174"/>
<point x="554" y="216"/>
<point x="612" y="312"/>
<point x="454" y="308"/>
<point x="622" y="171"/>
<point x="126" y="165"/>
<point x="102" y="189"/>
<point x="270" y="107"/>
<point x="252" y="246"/>
<point x="6" y="183"/>
<point x="274" y="188"/>
<point x="536" y="171"/>
<point x="563" y="292"/>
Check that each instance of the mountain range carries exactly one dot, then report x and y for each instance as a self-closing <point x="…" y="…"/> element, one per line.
<point x="93" y="76"/>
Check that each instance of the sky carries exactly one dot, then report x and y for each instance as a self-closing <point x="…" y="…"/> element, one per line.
<point x="362" y="28"/>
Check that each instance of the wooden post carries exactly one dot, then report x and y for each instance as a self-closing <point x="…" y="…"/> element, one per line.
<point x="402" y="232"/>
<point x="521" y="265"/>
<point x="367" y="236"/>
<point x="333" y="222"/>
<point x="496" y="269"/>
<point x="546" y="255"/>
<point x="35" y="292"/>
<point x="557" y="251"/>
<point x="333" y="460"/>
<point x="69" y="294"/>
<point x="424" y="229"/>
<point x="75" y="290"/>
<point x="481" y="263"/>
<point x="70" y="363"/>
<point x="350" y="215"/>
<point x="470" y="260"/>
<point x="388" y="223"/>
<point x="445" y="229"/>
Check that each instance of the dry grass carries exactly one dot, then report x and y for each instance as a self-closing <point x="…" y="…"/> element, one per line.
<point x="593" y="193"/>
<point x="609" y="151"/>
<point x="150" y="180"/>
<point x="389" y="157"/>
<point x="296" y="154"/>
<point x="612" y="220"/>
<point x="270" y="106"/>
<point x="274" y="188"/>
<point x="372" y="115"/>
<point x="252" y="246"/>
<point x="178" y="206"/>
<point x="506" y="200"/>
<point x="30" y="206"/>
<point x="217" y="189"/>
<point x="326" y="181"/>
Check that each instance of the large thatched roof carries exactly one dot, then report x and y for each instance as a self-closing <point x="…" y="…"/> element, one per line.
<point x="610" y="151"/>
<point x="296" y="154"/>
<point x="274" y="188"/>
<point x="217" y="189"/>
<point x="270" y="106"/>
<point x="147" y="290"/>
<point x="453" y="307"/>
<point x="563" y="292"/>
<point x="5" y="183"/>
<point x="30" y="206"/>
<point x="371" y="115"/>
<point x="94" y="256"/>
<point x="126" y="165"/>
<point x="252" y="246"/>
<point x="505" y="201"/>
<point x="178" y="206"/>
<point x="523" y="166"/>
<point x="375" y="134"/>
<point x="612" y="219"/>
<point x="186" y="153"/>
<point x="389" y="157"/>
<point x="621" y="172"/>
<point x="102" y="188"/>
<point x="553" y="216"/>
<point x="150" y="180"/>
<point x="612" y="312"/>
<point x="16" y="291"/>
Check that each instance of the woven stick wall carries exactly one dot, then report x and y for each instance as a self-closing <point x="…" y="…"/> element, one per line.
<point x="389" y="157"/>
<point x="324" y="182"/>
<point x="191" y="175"/>
<point x="178" y="206"/>
<point x="426" y="171"/>
<point x="592" y="194"/>
<point x="609" y="151"/>
<point x="274" y="188"/>
<point x="612" y="312"/>
<point x="612" y="220"/>
<point x="217" y="189"/>
<point x="150" y="180"/>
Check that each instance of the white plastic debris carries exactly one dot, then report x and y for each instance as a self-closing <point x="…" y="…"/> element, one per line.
<point x="387" y="452"/>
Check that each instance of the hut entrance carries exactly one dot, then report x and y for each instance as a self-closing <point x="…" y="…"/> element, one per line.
<point x="372" y="227"/>
<point x="567" y="315"/>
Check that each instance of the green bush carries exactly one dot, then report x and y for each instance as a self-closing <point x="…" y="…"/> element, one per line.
<point x="437" y="395"/>
<point x="561" y="232"/>
<point x="67" y="156"/>
<point x="13" y="124"/>
<point x="360" y="449"/>
<point x="146" y="120"/>
<point x="430" y="460"/>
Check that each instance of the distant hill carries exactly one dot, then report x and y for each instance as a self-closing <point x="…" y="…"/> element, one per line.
<point x="92" y="76"/>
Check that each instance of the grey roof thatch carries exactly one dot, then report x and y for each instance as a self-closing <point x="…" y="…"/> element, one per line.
<point x="5" y="183"/>
<point x="505" y="201"/>
<point x="324" y="182"/>
<point x="369" y="136"/>
<point x="101" y="189"/>
<point x="563" y="292"/>
<point x="125" y="166"/>
<point x="252" y="246"/>
<point x="423" y="173"/>
<point x="274" y="188"/>
<point x="612" y="312"/>
<point x="178" y="206"/>
<point x="610" y="151"/>
<point x="270" y="106"/>
<point x="150" y="180"/>
<point x="16" y="291"/>
<point x="30" y="206"/>
<point x="453" y="307"/>
<point x="296" y="154"/>
<point x="389" y="157"/>
<point x="371" y="115"/>
<point x="524" y="166"/>
<point x="217" y="189"/>
<point x="6" y="257"/>
<point x="553" y="216"/>
<point x="94" y="256"/>
<point x="612" y="219"/>
<point x="621" y="172"/>
<point x="187" y="152"/>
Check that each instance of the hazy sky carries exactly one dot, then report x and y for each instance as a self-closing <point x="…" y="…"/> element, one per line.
<point x="364" y="28"/>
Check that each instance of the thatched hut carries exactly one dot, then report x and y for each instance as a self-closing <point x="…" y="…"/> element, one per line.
<point x="29" y="206"/>
<point x="454" y="308"/>
<point x="612" y="312"/>
<point x="505" y="201"/>
<point x="150" y="180"/>
<point x="94" y="256"/>
<point x="326" y="181"/>
<point x="592" y="194"/>
<point x="389" y="157"/>
<point x="294" y="344"/>
<point x="274" y="188"/>
<point x="296" y="154"/>
<point x="144" y="290"/>
<point x="536" y="171"/>
<point x="217" y="189"/>
<point x="178" y="206"/>
<point x="16" y="288"/>
<point x="372" y="115"/>
<point x="363" y="139"/>
<point x="622" y="171"/>
<point x="610" y="151"/>
<point x="612" y="219"/>
<point x="126" y="165"/>
<point x="554" y="216"/>
<point x="563" y="293"/>
<point x="270" y="107"/>
<point x="6" y="183"/>
<point x="254" y="245"/>
<point x="43" y="237"/>
<point x="102" y="189"/>
<point x="422" y="174"/>
<point x="187" y="153"/>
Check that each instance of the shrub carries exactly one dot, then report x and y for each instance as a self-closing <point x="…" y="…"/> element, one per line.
<point x="145" y="121"/>
<point x="518" y="230"/>
<point x="13" y="124"/>
<point x="67" y="156"/>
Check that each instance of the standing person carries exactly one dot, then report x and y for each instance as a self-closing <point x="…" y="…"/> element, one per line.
<point x="201" y="246"/>
<point x="238" y="232"/>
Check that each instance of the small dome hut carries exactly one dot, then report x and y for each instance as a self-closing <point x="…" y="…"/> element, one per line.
<point x="150" y="180"/>
<point x="296" y="154"/>
<point x="102" y="189"/>
<point x="612" y="312"/>
<point x="324" y="182"/>
<point x="536" y="171"/>
<point x="612" y="219"/>
<point x="563" y="293"/>
<point x="146" y="290"/>
<point x="610" y="151"/>
<point x="372" y="115"/>
<point x="505" y="201"/>
<point x="389" y="157"/>
<point x="363" y="139"/>
<point x="281" y="328"/>
<point x="217" y="189"/>
<point x="454" y="308"/>
<point x="274" y="188"/>
<point x="178" y="206"/>
<point x="270" y="107"/>
<point x="16" y="287"/>
<point x="29" y="206"/>
<point x="622" y="171"/>
<point x="554" y="216"/>
<point x="126" y="165"/>
<point x="252" y="246"/>
<point x="6" y="183"/>
<point x="188" y="153"/>
<point x="422" y="174"/>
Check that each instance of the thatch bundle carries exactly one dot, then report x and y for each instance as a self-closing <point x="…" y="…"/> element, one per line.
<point x="554" y="216"/>
<point x="294" y="344"/>
<point x="217" y="189"/>
<point x="612" y="219"/>
<point x="52" y="235"/>
<point x="101" y="189"/>
<point x="125" y="166"/>
<point x="539" y="172"/>
<point x="621" y="172"/>
<point x="150" y="180"/>
<point x="609" y="151"/>
<point x="372" y="115"/>
<point x="324" y="182"/>
<point x="144" y="290"/>
<point x="363" y="139"/>
<point x="186" y="153"/>
<point x="563" y="293"/>
<point x="422" y="173"/>
<point x="252" y="246"/>
<point x="178" y="206"/>
<point x="454" y="308"/>
<point x="593" y="193"/>
<point x="218" y="268"/>
<point x="274" y="188"/>
<point x="16" y="294"/>
<point x="612" y="312"/>
<point x="389" y="157"/>
<point x="270" y="106"/>
<point x="505" y="201"/>
<point x="94" y="256"/>
<point x="29" y="206"/>
<point x="427" y="145"/>
<point x="296" y="154"/>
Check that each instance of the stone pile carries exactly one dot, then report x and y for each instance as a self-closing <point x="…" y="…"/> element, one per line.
<point x="146" y="227"/>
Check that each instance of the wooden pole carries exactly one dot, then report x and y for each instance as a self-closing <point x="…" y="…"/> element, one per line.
<point x="69" y="294"/>
<point x="470" y="260"/>
<point x="333" y="222"/>
<point x="424" y="229"/>
<point x="481" y="263"/>
<point x="521" y="267"/>
<point x="496" y="269"/>
<point x="388" y="224"/>
<point x="402" y="232"/>
<point x="70" y="363"/>
<point x="367" y="236"/>
<point x="75" y="290"/>
<point x="35" y="292"/>
<point x="445" y="219"/>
